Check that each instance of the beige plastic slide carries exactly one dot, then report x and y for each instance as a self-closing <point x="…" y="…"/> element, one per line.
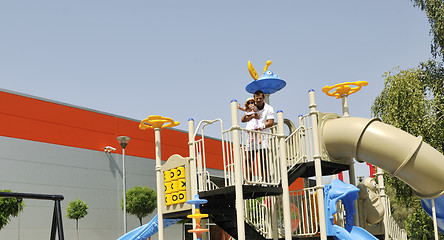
<point x="397" y="152"/>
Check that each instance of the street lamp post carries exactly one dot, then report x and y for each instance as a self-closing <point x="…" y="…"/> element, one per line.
<point x="123" y="141"/>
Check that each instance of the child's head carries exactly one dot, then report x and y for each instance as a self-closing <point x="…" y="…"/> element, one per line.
<point x="249" y="102"/>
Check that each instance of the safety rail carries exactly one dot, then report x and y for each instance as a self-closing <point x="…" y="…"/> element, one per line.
<point x="393" y="229"/>
<point x="259" y="157"/>
<point x="296" y="145"/>
<point x="203" y="177"/>
<point x="304" y="212"/>
<point x="307" y="136"/>
<point x="258" y="214"/>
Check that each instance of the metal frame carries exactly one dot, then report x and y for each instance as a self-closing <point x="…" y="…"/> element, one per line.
<point x="57" y="223"/>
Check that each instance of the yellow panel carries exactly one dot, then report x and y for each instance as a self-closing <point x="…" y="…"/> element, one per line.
<point x="182" y="184"/>
<point x="181" y="172"/>
<point x="174" y="186"/>
<point x="173" y="174"/>
<point x="175" y="197"/>
<point x="168" y="199"/>
<point x="182" y="196"/>
<point x="167" y="176"/>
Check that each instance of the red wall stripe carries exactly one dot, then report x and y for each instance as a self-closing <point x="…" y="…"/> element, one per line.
<point x="43" y="121"/>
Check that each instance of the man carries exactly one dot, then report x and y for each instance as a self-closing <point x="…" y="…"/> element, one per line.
<point x="266" y="115"/>
<point x="265" y="112"/>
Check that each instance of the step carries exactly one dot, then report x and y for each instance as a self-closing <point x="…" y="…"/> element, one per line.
<point x="307" y="169"/>
<point x="249" y="192"/>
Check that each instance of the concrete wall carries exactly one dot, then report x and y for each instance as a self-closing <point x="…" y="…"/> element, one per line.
<point x="94" y="177"/>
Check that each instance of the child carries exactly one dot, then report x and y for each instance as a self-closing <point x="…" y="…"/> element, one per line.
<point x="254" y="123"/>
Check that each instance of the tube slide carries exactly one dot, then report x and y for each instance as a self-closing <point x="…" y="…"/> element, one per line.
<point x="147" y="230"/>
<point x="399" y="153"/>
<point x="439" y="206"/>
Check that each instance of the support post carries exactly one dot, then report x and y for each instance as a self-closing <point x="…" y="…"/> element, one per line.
<point x="160" y="190"/>
<point x="303" y="153"/>
<point x="238" y="172"/>
<point x="352" y="179"/>
<point x="125" y="225"/>
<point x="193" y="172"/>
<point x="284" y="176"/>
<point x="318" y="167"/>
<point x="380" y="176"/>
<point x="57" y="224"/>
<point x="345" y="105"/>
<point x="435" y="224"/>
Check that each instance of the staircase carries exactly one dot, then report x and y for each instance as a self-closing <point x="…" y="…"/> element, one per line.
<point x="221" y="207"/>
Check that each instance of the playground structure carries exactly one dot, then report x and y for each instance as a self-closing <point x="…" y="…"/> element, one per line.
<point x="255" y="201"/>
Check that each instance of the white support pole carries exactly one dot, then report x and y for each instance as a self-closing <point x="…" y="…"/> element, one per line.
<point x="318" y="169"/>
<point x="123" y="142"/>
<point x="193" y="173"/>
<point x="345" y="106"/>
<point x="238" y="173"/>
<point x="160" y="189"/>
<point x="284" y="176"/>
<point x="351" y="171"/>
<point x="267" y="98"/>
<point x="125" y="225"/>
<point x="381" y="187"/>
<point x="303" y="153"/>
<point x="435" y="224"/>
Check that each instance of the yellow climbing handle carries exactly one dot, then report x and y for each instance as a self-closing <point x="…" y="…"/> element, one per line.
<point x="344" y="88"/>
<point x="156" y="121"/>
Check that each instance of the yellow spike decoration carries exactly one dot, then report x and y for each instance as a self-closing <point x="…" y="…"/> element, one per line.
<point x="252" y="71"/>
<point x="267" y="64"/>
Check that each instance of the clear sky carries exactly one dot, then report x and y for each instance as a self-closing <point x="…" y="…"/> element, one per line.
<point x="188" y="59"/>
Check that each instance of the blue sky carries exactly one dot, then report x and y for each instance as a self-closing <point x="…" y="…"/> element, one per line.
<point x="188" y="59"/>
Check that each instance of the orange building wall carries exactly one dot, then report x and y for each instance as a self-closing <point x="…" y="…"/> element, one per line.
<point x="43" y="121"/>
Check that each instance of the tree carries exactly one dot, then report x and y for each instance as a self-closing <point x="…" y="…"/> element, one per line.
<point x="413" y="100"/>
<point x="140" y="201"/>
<point x="9" y="207"/>
<point x="435" y="14"/>
<point x="76" y="210"/>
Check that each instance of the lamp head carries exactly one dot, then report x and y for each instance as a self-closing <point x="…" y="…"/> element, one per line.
<point x="123" y="141"/>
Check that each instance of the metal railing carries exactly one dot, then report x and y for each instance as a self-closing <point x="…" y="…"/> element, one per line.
<point x="296" y="146"/>
<point x="299" y="144"/>
<point x="304" y="212"/>
<point x="259" y="156"/>
<point x="393" y="229"/>
<point x="203" y="177"/>
<point x="258" y="214"/>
